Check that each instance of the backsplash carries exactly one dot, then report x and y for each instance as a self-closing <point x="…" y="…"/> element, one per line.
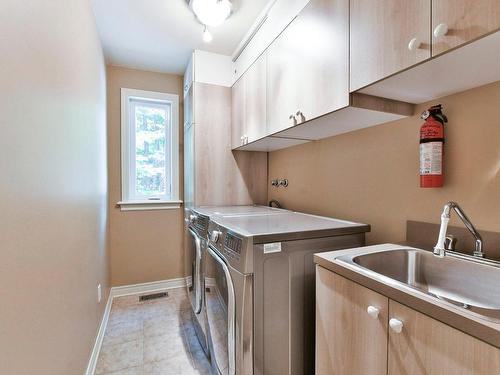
<point x="424" y="235"/>
<point x="372" y="175"/>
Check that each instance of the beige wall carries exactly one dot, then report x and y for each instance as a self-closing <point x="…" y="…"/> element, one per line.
<point x="371" y="175"/>
<point x="53" y="190"/>
<point x="145" y="245"/>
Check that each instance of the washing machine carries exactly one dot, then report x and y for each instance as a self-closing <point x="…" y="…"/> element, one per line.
<point x="199" y="275"/>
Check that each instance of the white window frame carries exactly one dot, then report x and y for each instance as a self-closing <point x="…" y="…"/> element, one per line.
<point x="128" y="202"/>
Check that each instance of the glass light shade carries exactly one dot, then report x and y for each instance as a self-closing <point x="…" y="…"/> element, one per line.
<point x="211" y="12"/>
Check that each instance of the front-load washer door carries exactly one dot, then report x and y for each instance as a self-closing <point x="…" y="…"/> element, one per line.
<point x="220" y="315"/>
<point x="194" y="284"/>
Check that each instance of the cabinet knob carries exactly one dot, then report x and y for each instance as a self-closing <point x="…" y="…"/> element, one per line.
<point x="414" y="44"/>
<point x="396" y="325"/>
<point x="373" y="311"/>
<point x="440" y="30"/>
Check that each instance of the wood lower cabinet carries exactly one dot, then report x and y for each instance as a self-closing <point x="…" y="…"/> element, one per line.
<point x="348" y="340"/>
<point x="351" y="342"/>
<point x="308" y="65"/>
<point x="427" y="346"/>
<point x="455" y="22"/>
<point x="387" y="36"/>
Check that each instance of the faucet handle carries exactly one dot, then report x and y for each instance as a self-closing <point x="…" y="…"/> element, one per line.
<point x="450" y="242"/>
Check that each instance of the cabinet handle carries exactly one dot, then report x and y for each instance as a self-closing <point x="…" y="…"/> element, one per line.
<point x="292" y="117"/>
<point x="414" y="44"/>
<point x="301" y="116"/>
<point x="373" y="311"/>
<point x="396" y="325"/>
<point x="441" y="30"/>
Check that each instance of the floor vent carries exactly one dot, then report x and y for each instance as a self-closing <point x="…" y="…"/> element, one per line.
<point x="148" y="297"/>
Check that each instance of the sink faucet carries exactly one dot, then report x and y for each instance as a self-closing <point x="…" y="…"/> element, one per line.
<point x="439" y="249"/>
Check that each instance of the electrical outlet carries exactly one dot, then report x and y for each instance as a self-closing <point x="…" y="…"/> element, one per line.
<point x="99" y="293"/>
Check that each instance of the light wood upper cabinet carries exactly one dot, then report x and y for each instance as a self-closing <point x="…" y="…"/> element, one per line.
<point x="249" y="104"/>
<point x="238" y="113"/>
<point x="188" y="106"/>
<point x="255" y="99"/>
<point x="455" y="22"/>
<point x="427" y="346"/>
<point x="387" y="36"/>
<point x="348" y="340"/>
<point x="221" y="176"/>
<point x="307" y="65"/>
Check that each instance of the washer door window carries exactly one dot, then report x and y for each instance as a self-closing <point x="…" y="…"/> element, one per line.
<point x="220" y="313"/>
<point x="194" y="276"/>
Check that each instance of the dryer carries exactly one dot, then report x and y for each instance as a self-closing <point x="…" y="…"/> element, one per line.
<point x="261" y="310"/>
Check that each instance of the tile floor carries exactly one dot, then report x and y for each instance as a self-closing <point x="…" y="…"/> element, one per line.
<point x="154" y="337"/>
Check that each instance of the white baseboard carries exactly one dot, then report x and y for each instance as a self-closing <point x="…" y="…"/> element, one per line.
<point x="126" y="290"/>
<point x="155" y="286"/>
<point x="100" y="337"/>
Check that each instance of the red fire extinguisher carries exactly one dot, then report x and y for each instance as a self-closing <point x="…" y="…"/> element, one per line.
<point x="432" y="147"/>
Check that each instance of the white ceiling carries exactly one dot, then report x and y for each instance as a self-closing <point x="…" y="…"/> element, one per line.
<point x="159" y="35"/>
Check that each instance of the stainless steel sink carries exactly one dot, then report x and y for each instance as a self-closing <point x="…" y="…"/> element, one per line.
<point x="471" y="284"/>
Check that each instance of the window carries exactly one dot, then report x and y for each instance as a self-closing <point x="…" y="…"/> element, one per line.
<point x="150" y="150"/>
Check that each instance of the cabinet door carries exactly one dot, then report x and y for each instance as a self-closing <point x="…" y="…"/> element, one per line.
<point x="189" y="165"/>
<point x="188" y="106"/>
<point x="307" y="65"/>
<point x="238" y="113"/>
<point x="427" y="346"/>
<point x="255" y="99"/>
<point x="381" y="32"/>
<point x="188" y="76"/>
<point x="349" y="341"/>
<point x="465" y="20"/>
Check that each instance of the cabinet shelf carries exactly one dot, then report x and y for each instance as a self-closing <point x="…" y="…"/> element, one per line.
<point x="362" y="112"/>
<point x="463" y="68"/>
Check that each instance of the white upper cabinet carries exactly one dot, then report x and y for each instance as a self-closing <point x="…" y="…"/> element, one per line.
<point x="308" y="66"/>
<point x="455" y="22"/>
<point x="387" y="36"/>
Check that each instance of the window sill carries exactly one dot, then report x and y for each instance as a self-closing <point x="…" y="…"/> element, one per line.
<point x="148" y="205"/>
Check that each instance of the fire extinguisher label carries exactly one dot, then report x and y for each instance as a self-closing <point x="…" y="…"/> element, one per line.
<point x="431" y="160"/>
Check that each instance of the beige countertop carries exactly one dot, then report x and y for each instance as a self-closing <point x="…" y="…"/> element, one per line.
<point x="457" y="317"/>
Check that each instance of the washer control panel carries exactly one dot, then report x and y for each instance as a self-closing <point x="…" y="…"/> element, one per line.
<point x="232" y="246"/>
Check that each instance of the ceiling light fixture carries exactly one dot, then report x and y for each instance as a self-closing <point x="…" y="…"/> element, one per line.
<point x="211" y="12"/>
<point x="207" y="35"/>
